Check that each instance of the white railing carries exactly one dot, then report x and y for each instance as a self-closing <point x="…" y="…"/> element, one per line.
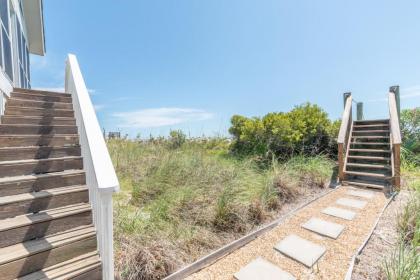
<point x="100" y="174"/>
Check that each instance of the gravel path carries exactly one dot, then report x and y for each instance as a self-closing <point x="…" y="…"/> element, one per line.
<point x="333" y="265"/>
<point x="383" y="240"/>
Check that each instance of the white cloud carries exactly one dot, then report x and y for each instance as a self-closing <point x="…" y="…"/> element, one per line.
<point x="410" y="92"/>
<point x="157" y="117"/>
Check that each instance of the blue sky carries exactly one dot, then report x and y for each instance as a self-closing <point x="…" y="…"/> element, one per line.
<point x="152" y="66"/>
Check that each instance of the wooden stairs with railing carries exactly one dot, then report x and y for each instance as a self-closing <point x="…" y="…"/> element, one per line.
<point x="46" y="229"/>
<point x="368" y="162"/>
<point x="369" y="150"/>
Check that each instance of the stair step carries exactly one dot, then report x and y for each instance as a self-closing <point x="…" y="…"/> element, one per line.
<point x="38" y="140"/>
<point x="17" y="102"/>
<point x="31" y="256"/>
<point x="370" y="150"/>
<point x="42" y="97"/>
<point x="38" y="182"/>
<point x="41" y="92"/>
<point x="25" y="111"/>
<point x="366" y="174"/>
<point x="31" y="226"/>
<point x="37" y="152"/>
<point x="37" y="120"/>
<point x="370" y="143"/>
<point x="37" y="129"/>
<point x="87" y="266"/>
<point x="360" y="183"/>
<point x="368" y="122"/>
<point x="369" y="158"/>
<point x="368" y="166"/>
<point x="371" y="127"/>
<point x="36" y="166"/>
<point x="370" y="137"/>
<point x="21" y="204"/>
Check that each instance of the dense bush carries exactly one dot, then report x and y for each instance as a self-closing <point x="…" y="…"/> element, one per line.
<point x="304" y="130"/>
<point x="410" y="129"/>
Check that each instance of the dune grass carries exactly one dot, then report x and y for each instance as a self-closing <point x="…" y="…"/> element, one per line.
<point x="179" y="202"/>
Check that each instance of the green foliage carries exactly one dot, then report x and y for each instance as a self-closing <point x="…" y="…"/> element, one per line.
<point x="410" y="129"/>
<point x="177" y="139"/>
<point x="404" y="264"/>
<point x="304" y="130"/>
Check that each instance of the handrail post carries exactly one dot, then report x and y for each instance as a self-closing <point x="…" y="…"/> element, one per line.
<point x="359" y="111"/>
<point x="396" y="90"/>
<point x="343" y="135"/>
<point x="345" y="96"/>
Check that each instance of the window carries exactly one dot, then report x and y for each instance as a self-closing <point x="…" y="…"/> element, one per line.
<point x="6" y="43"/>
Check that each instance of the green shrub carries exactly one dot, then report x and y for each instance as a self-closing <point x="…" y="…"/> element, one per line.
<point x="177" y="138"/>
<point x="410" y="129"/>
<point x="304" y="130"/>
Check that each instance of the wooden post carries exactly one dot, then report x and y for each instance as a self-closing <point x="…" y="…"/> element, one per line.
<point x="397" y="166"/>
<point x="396" y="91"/>
<point x="360" y="111"/>
<point x="345" y="96"/>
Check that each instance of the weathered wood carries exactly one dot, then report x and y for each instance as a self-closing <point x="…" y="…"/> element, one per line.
<point x="25" y="111"/>
<point x="39" y="257"/>
<point x="18" y="153"/>
<point x="24" y="228"/>
<point x="41" y="92"/>
<point x="47" y="120"/>
<point x="16" y="102"/>
<point x="345" y="121"/>
<point x="41" y="97"/>
<point x="397" y="165"/>
<point x="360" y="111"/>
<point x="37" y="129"/>
<point x="22" y="204"/>
<point x="38" y="182"/>
<point x="36" y="166"/>
<point x="38" y="140"/>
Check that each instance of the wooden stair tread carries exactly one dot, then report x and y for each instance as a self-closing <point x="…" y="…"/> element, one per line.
<point x="41" y="92"/>
<point x="375" y="120"/>
<point x="22" y="250"/>
<point x="370" y="136"/>
<point x="370" y="150"/>
<point x="22" y="178"/>
<point x="12" y="108"/>
<point x="369" y="157"/>
<point x="377" y="166"/>
<point x="24" y="161"/>
<point x="36" y="101"/>
<point x="370" y="143"/>
<point x="367" y="174"/>
<point x="4" y="200"/>
<point x="364" y="184"/>
<point x="42" y="216"/>
<point x="68" y="269"/>
<point x="370" y="125"/>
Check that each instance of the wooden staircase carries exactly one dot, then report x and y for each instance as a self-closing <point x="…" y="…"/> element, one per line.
<point x="369" y="150"/>
<point x="46" y="229"/>
<point x="368" y="162"/>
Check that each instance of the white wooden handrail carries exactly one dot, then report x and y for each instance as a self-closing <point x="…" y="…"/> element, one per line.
<point x="344" y="127"/>
<point x="101" y="178"/>
<point x="394" y="119"/>
<point x="395" y="139"/>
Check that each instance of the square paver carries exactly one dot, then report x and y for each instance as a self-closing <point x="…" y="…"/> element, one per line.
<point x="322" y="227"/>
<point x="262" y="270"/>
<point x="339" y="213"/>
<point x="300" y="250"/>
<point x="349" y="202"/>
<point x="362" y="194"/>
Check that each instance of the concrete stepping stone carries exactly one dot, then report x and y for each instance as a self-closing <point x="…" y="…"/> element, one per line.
<point x="322" y="227"/>
<point x="349" y="202"/>
<point x="362" y="194"/>
<point x="301" y="250"/>
<point x="262" y="270"/>
<point x="339" y="213"/>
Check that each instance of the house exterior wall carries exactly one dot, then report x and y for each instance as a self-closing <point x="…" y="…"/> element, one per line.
<point x="14" y="49"/>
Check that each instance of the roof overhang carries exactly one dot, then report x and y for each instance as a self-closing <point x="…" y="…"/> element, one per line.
<point x="34" y="20"/>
